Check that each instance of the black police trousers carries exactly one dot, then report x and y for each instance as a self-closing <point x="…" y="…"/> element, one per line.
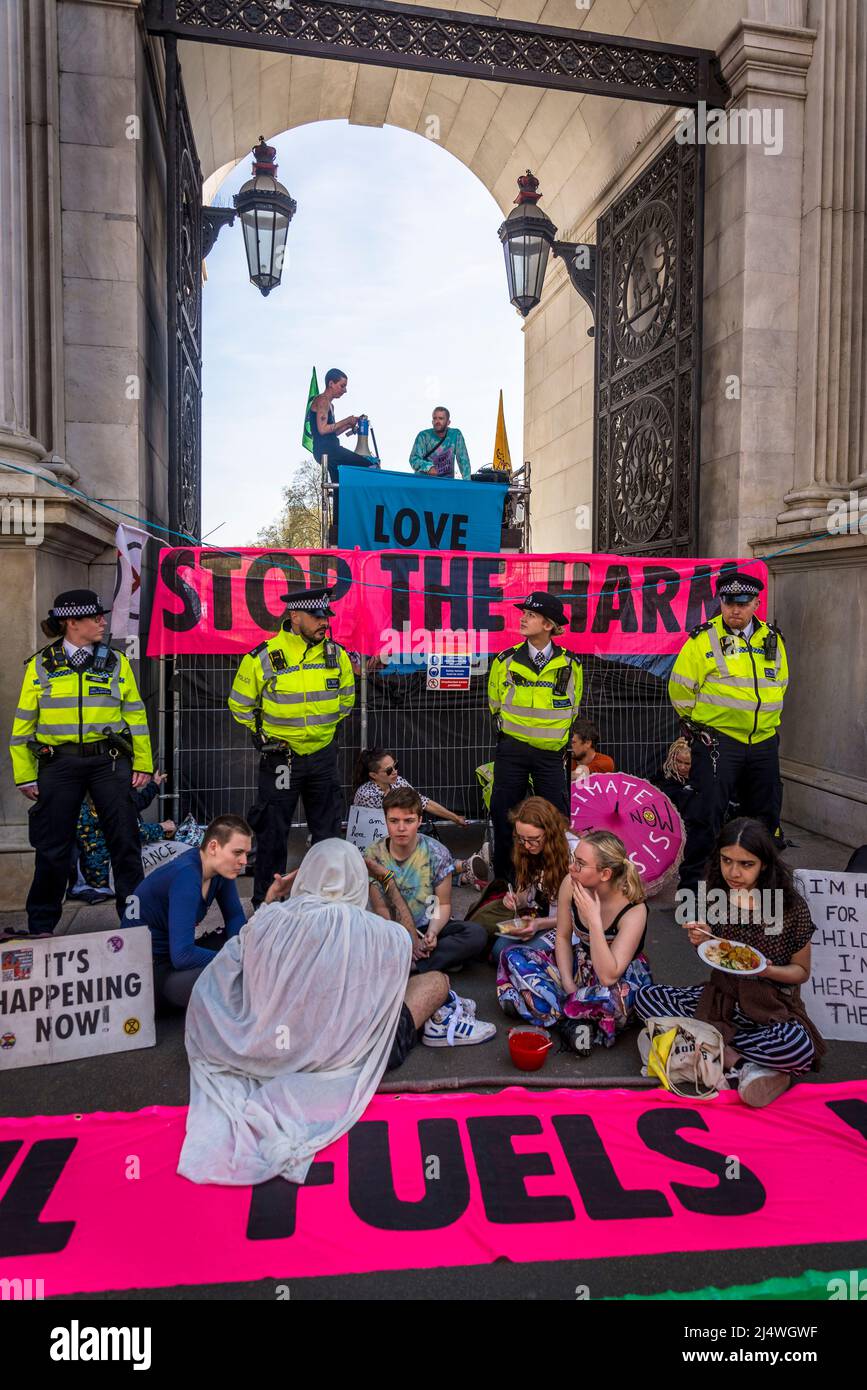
<point x="748" y="773"/>
<point x="314" y="778"/>
<point x="64" y="780"/>
<point x="514" y="764"/>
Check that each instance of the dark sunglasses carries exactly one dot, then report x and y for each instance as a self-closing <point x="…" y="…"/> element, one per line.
<point x="387" y="771"/>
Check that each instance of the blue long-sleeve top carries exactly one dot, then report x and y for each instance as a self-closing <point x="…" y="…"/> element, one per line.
<point x="171" y="904"/>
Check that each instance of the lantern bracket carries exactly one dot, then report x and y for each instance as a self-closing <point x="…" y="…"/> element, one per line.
<point x="580" y="259"/>
<point x="213" y="222"/>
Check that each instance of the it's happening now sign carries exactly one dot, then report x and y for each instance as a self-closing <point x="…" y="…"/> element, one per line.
<point x="836" y="993"/>
<point x="75" y="996"/>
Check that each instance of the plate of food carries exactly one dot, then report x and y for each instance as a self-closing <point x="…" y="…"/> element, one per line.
<point x="514" y="929"/>
<point x="732" y="956"/>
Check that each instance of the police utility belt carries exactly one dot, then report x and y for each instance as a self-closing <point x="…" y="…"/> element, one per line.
<point x="115" y="745"/>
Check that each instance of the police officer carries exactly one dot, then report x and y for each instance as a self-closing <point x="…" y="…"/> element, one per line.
<point x="728" y="684"/>
<point x="534" y="692"/>
<point x="291" y="693"/>
<point x="80" y="727"/>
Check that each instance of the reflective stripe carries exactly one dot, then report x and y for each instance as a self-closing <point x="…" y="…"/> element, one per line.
<point x="58" y="702"/>
<point x="71" y="728"/>
<point x="539" y="735"/>
<point x="723" y="702"/>
<point x="292" y="697"/>
<point x="265" y="663"/>
<point x="686" y="681"/>
<point x="740" y="682"/>
<point x="347" y="690"/>
<point x="100" y="702"/>
<point x="300" y="723"/>
<point x="717" y="653"/>
<point x="561" y="715"/>
<point x="131" y="706"/>
<point x="240" y="699"/>
<point x="20" y="738"/>
<point x="25" y="713"/>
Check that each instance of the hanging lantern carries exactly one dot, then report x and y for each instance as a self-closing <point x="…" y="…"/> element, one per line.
<point x="265" y="209"/>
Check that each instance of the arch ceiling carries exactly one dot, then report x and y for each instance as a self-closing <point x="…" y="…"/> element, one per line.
<point x="496" y="129"/>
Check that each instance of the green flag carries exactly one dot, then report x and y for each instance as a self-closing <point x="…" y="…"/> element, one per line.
<point x="307" y="437"/>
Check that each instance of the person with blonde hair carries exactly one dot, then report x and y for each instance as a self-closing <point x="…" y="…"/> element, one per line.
<point x="584" y="979"/>
<point x="673" y="778"/>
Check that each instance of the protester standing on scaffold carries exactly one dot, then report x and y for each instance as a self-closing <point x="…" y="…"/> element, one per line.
<point x="534" y="692"/>
<point x="80" y="727"/>
<point x="291" y="693"/>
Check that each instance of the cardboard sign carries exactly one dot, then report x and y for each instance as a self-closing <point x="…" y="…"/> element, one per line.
<point x="159" y="852"/>
<point x="835" y="995"/>
<point x="364" y="826"/>
<point x="75" y="996"/>
<point x="398" y="602"/>
<point x="448" y="672"/>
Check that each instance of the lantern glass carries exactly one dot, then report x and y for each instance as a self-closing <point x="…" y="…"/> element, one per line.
<point x="526" y="262"/>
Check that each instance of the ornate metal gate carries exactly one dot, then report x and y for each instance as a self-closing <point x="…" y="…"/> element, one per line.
<point x="184" y="253"/>
<point x="648" y="359"/>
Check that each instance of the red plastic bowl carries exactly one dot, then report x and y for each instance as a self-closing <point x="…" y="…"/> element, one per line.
<point x="527" y="1049"/>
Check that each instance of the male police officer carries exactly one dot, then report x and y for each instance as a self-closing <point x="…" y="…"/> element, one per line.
<point x="291" y="693"/>
<point x="534" y="692"/>
<point x="80" y="727"/>
<point x="728" y="684"/>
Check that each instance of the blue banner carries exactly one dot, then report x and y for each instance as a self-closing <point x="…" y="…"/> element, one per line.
<point x="406" y="511"/>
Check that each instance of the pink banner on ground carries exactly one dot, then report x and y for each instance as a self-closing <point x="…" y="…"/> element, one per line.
<point x="93" y="1202"/>
<point x="400" y="603"/>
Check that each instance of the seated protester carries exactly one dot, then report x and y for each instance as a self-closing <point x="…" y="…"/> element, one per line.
<point x="377" y="773"/>
<point x="291" y="1028"/>
<point x="542" y="849"/>
<point x="590" y="969"/>
<point x="435" y="451"/>
<point x="674" y="776"/>
<point x="423" y="871"/>
<point x="769" y="1037"/>
<point x="94" y="862"/>
<point x="584" y="758"/>
<point x="175" y="899"/>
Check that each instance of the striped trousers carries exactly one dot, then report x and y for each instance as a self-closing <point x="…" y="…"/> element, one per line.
<point x="782" y="1046"/>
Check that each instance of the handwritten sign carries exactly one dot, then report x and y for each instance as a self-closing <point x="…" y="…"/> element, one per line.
<point x="835" y="995"/>
<point x="364" y="826"/>
<point x="77" y="996"/>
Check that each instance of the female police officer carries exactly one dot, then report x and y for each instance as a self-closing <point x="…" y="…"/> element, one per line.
<point x="80" y="727"/>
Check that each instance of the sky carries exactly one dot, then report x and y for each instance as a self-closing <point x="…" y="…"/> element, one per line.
<point x="393" y="273"/>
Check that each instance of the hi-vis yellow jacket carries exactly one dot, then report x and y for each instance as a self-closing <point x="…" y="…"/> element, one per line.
<point x="61" y="705"/>
<point x="533" y="706"/>
<point x="726" y="682"/>
<point x="288" y="690"/>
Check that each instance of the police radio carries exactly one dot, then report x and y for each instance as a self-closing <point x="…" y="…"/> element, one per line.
<point x="770" y="647"/>
<point x="103" y="656"/>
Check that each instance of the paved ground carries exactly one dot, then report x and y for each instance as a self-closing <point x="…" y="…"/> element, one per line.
<point x="159" y="1076"/>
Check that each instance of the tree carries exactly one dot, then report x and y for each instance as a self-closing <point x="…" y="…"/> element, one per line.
<point x="298" y="526"/>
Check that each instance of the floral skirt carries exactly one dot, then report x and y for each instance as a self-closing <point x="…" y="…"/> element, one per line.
<point x="528" y="978"/>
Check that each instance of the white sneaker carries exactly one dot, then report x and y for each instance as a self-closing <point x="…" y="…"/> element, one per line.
<point x="452" y="1026"/>
<point x="758" y="1086"/>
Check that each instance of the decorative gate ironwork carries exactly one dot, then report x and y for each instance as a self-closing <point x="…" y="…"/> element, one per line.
<point x="648" y="359"/>
<point x="184" y="254"/>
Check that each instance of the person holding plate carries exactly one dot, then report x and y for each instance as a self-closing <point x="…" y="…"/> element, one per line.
<point x="756" y="1004"/>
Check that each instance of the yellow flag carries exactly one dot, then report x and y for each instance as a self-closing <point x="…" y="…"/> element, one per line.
<point x="502" y="457"/>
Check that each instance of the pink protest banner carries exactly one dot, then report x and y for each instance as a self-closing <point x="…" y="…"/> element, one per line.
<point x="399" y="603"/>
<point x="91" y="1202"/>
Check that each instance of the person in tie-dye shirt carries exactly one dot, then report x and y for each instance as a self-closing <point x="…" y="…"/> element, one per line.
<point x="436" y="451"/>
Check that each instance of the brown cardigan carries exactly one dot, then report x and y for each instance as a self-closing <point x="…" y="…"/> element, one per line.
<point x="763" y="1001"/>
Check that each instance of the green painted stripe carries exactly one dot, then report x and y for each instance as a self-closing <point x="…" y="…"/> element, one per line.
<point x="813" y="1285"/>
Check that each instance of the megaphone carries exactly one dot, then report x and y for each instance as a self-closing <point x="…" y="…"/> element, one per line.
<point x="362" y="429"/>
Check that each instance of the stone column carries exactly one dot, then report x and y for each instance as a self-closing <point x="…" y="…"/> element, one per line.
<point x="831" y="448"/>
<point x="17" y="443"/>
